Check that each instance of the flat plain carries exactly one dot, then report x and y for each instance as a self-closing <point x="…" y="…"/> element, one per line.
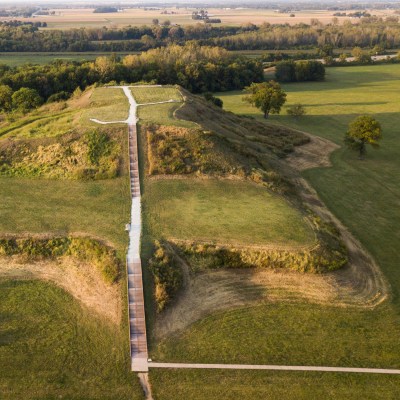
<point x="70" y="18"/>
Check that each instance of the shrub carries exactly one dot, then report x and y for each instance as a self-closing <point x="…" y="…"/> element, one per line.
<point x="296" y="110"/>
<point x="60" y="96"/>
<point x="212" y="99"/>
<point x="168" y="277"/>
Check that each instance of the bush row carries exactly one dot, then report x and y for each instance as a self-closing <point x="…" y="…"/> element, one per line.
<point x="84" y="249"/>
<point x="168" y="277"/>
<point x="328" y="254"/>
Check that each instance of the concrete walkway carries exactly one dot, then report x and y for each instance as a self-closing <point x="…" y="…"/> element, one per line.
<point x="275" y="368"/>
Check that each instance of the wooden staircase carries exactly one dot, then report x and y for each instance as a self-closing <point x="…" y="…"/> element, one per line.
<point x="137" y="321"/>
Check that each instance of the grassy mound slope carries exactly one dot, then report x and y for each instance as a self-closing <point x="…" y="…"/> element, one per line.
<point x="59" y="140"/>
<point x="52" y="348"/>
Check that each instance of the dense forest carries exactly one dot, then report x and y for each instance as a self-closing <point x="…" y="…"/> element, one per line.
<point x="368" y="32"/>
<point x="198" y="69"/>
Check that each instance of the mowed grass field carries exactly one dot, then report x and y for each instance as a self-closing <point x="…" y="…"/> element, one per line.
<point x="52" y="348"/>
<point x="365" y="196"/>
<point x="154" y="94"/>
<point x="223" y="211"/>
<point x="17" y="59"/>
<point x="55" y="119"/>
<point x="99" y="209"/>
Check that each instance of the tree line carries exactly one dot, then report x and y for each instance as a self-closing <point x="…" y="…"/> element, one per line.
<point x="198" y="69"/>
<point x="369" y="32"/>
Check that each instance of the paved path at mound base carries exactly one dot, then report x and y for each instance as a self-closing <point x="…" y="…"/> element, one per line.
<point x="275" y="368"/>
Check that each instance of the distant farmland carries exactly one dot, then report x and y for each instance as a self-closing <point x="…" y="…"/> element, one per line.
<point x="84" y="17"/>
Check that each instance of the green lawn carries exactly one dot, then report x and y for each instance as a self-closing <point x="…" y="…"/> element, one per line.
<point x="290" y="334"/>
<point x="52" y="348"/>
<point x="155" y="94"/>
<point x="99" y="208"/>
<point x="223" y="211"/>
<point x="162" y="114"/>
<point x="107" y="104"/>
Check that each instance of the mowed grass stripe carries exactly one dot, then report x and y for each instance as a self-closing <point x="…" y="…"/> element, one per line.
<point x="223" y="211"/>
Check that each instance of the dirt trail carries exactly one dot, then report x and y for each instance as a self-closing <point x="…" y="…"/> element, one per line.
<point x="81" y="280"/>
<point x="314" y="154"/>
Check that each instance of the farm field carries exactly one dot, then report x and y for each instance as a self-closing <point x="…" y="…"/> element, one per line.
<point x="84" y="17"/>
<point x="17" y="59"/>
<point x="50" y="345"/>
<point x="223" y="212"/>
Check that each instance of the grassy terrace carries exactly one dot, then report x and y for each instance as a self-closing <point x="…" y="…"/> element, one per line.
<point x="107" y="104"/>
<point x="150" y="94"/>
<point x="98" y="209"/>
<point x="232" y="385"/>
<point x="224" y="212"/>
<point x="160" y="114"/>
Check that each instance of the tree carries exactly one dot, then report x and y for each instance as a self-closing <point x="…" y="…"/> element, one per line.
<point x="26" y="99"/>
<point x="5" y="98"/>
<point x="215" y="100"/>
<point x="267" y="96"/>
<point x="296" y="110"/>
<point x="285" y="71"/>
<point x="155" y="21"/>
<point x="362" y="131"/>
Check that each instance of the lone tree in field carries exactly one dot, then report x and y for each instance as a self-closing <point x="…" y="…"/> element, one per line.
<point x="267" y="96"/>
<point x="362" y="131"/>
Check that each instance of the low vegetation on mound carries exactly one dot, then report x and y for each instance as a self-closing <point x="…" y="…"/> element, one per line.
<point x="84" y="249"/>
<point x="59" y="141"/>
<point x="94" y="155"/>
